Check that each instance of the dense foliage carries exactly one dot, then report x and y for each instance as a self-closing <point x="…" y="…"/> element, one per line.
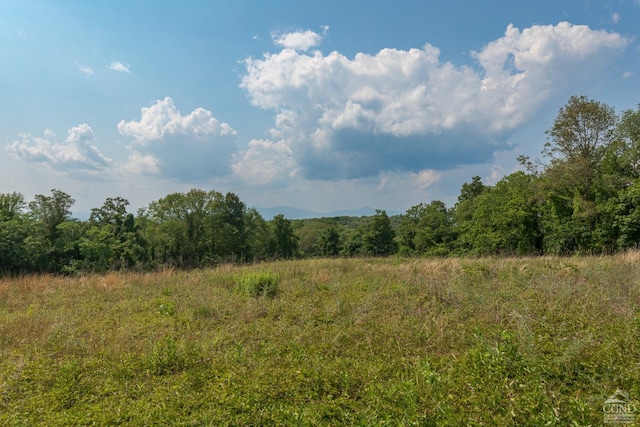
<point x="584" y="199"/>
<point x="181" y="230"/>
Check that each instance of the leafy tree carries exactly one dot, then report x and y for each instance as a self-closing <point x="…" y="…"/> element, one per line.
<point x="625" y="155"/>
<point x="178" y="228"/>
<point x="227" y="216"/>
<point x="203" y="228"/>
<point x="471" y="190"/>
<point x="378" y="235"/>
<point x="285" y="238"/>
<point x="329" y="242"/>
<point x="23" y="246"/>
<point x="112" y="241"/>
<point x="261" y="243"/>
<point x="99" y="248"/>
<point x="352" y="242"/>
<point x="505" y="218"/>
<point x="463" y="213"/>
<point x="70" y="235"/>
<point x="627" y="216"/>
<point x="308" y="232"/>
<point x="11" y="205"/>
<point x="582" y="129"/>
<point x="114" y="212"/>
<point x="463" y="210"/>
<point x="52" y="210"/>
<point x="426" y="229"/>
<point x="408" y="229"/>
<point x="582" y="175"/>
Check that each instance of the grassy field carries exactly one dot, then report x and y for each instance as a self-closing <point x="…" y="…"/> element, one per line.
<point x="529" y="341"/>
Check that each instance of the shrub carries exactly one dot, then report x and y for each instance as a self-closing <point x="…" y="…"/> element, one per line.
<point x="263" y="283"/>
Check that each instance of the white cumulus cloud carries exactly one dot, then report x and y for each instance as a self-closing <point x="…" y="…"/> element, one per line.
<point x="264" y="162"/>
<point x="86" y="70"/>
<point x="426" y="178"/>
<point x="78" y="155"/>
<point x="189" y="147"/>
<point x="299" y="40"/>
<point x="144" y="164"/>
<point x="339" y="117"/>
<point x="119" y="67"/>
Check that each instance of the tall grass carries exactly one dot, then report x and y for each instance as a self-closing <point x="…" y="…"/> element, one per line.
<point x="528" y="341"/>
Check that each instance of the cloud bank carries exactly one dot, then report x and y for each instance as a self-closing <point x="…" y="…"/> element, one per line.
<point x="406" y="110"/>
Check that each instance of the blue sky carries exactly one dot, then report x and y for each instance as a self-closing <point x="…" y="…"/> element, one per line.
<point x="323" y="105"/>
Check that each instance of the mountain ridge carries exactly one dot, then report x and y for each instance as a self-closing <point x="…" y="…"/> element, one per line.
<point x="298" y="213"/>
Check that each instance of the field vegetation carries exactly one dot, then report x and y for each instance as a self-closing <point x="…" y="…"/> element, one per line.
<point x="360" y="341"/>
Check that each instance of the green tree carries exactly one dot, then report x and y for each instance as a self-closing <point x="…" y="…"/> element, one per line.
<point x="378" y="237"/>
<point x="200" y="228"/>
<point x="51" y="210"/>
<point x="426" y="229"/>
<point x="584" y="128"/>
<point x="178" y="228"/>
<point x="462" y="215"/>
<point x="11" y="205"/>
<point x="227" y="215"/>
<point x="579" y="179"/>
<point x="329" y="242"/>
<point x="352" y="242"/>
<point x="24" y="247"/>
<point x="261" y="242"/>
<point x="112" y="241"/>
<point x="625" y="155"/>
<point x="70" y="236"/>
<point x="285" y="238"/>
<point x="506" y="218"/>
<point x="626" y="214"/>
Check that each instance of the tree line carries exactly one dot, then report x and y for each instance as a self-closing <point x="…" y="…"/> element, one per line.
<point x="583" y="197"/>
<point x="181" y="230"/>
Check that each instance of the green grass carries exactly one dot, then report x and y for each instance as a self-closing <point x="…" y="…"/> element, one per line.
<point x="260" y="284"/>
<point x="496" y="342"/>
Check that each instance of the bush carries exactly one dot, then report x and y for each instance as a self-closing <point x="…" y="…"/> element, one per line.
<point x="264" y="283"/>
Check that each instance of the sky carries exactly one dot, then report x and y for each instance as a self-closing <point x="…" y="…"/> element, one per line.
<point x="322" y="105"/>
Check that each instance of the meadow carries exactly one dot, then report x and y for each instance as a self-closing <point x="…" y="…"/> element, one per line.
<point x="366" y="341"/>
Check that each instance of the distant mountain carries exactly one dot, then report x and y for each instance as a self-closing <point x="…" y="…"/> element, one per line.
<point x="296" y="213"/>
<point x="287" y="211"/>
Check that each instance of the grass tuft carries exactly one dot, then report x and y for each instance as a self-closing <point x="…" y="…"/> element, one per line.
<point x="258" y="284"/>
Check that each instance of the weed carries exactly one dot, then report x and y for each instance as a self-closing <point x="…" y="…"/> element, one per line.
<point x="166" y="307"/>
<point x="260" y="284"/>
